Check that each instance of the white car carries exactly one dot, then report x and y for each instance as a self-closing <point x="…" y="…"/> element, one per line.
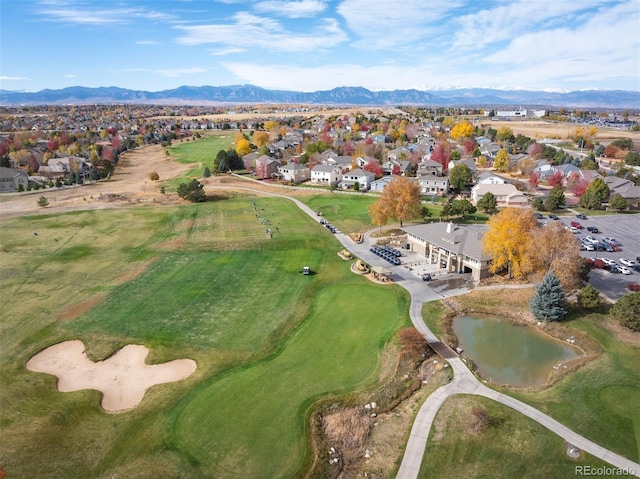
<point x="627" y="262"/>
<point x="624" y="270"/>
<point x="591" y="240"/>
<point x="608" y="261"/>
<point x="589" y="247"/>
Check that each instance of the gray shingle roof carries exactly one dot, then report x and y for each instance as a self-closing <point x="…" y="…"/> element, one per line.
<point x="463" y="240"/>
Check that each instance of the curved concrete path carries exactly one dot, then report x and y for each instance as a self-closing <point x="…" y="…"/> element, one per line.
<point x="464" y="382"/>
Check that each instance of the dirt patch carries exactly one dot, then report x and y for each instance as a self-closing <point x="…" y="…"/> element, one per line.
<point x="122" y="379"/>
<point x="77" y="309"/>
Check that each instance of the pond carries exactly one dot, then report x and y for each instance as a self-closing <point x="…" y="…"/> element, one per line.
<point x="506" y="353"/>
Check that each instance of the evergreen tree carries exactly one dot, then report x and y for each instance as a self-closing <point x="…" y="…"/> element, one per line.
<point x="192" y="191"/>
<point x="548" y="302"/>
<point x="206" y="173"/>
<point x="555" y="199"/>
<point x="588" y="297"/>
<point x="488" y="203"/>
<point x="627" y="311"/>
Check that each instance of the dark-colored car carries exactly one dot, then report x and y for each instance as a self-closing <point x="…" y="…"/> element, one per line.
<point x="554" y="217"/>
<point x="539" y="216"/>
<point x="581" y="216"/>
<point x="593" y="229"/>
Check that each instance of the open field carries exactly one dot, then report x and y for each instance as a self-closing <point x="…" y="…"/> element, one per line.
<point x="506" y="445"/>
<point x="195" y="281"/>
<point x="348" y="212"/>
<point x="540" y="129"/>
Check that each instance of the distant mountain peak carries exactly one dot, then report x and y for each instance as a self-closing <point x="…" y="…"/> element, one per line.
<point x="345" y="95"/>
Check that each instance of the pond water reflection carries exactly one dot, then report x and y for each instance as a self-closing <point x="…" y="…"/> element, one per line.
<point x="506" y="353"/>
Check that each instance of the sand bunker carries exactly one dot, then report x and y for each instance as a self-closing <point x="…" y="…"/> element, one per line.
<point x="122" y="379"/>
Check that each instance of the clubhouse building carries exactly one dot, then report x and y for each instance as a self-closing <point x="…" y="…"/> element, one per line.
<point x="454" y="248"/>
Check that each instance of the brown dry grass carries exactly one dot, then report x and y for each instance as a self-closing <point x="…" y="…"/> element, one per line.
<point x="77" y="309"/>
<point x="347" y="428"/>
<point x="540" y="129"/>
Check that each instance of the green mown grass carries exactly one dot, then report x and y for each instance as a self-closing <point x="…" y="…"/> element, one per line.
<point x="203" y="150"/>
<point x="251" y="423"/>
<point x="200" y="281"/>
<point x="348" y="212"/>
<point x="592" y="400"/>
<point x="512" y="445"/>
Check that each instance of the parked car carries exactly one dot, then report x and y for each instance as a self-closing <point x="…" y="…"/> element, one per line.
<point x="627" y="262"/>
<point x="591" y="240"/>
<point x="573" y="229"/>
<point x="589" y="247"/>
<point x="593" y="229"/>
<point x="539" y="216"/>
<point x="623" y="270"/>
<point x="581" y="216"/>
<point x="606" y="247"/>
<point x="575" y="224"/>
<point x="554" y="217"/>
<point x="609" y="240"/>
<point x="608" y="261"/>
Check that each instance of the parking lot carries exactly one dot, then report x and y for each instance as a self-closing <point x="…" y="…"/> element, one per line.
<point x="625" y="229"/>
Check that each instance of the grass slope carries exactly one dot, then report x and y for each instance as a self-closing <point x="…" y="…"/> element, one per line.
<point x="203" y="150"/>
<point x="251" y="423"/>
<point x="348" y="212"/>
<point x="512" y="445"/>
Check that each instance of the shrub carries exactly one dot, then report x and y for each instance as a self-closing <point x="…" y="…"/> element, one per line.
<point x="627" y="311"/>
<point x="588" y="297"/>
<point x="154" y="176"/>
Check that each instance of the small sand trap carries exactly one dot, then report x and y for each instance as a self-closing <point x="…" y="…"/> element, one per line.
<point x="122" y="379"/>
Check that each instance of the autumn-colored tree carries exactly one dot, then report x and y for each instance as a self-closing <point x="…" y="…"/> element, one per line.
<point x="442" y="154"/>
<point x="260" y="138"/>
<point x="399" y="201"/>
<point x="526" y="166"/>
<point x="534" y="150"/>
<point x="579" y="187"/>
<point x="243" y="147"/>
<point x="462" y="130"/>
<point x="613" y="151"/>
<point x="501" y="161"/>
<point x="375" y="168"/>
<point x="507" y="240"/>
<point x="505" y="134"/>
<point x="482" y="161"/>
<point x="53" y="144"/>
<point x="556" y="178"/>
<point x="469" y="146"/>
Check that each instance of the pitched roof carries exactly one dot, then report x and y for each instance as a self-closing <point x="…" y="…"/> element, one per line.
<point x="464" y="240"/>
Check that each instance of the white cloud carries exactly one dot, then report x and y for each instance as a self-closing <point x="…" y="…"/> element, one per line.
<point x="387" y="24"/>
<point x="251" y="31"/>
<point x="8" y="78"/>
<point x="227" y="51"/>
<point x="173" y="73"/>
<point x="70" y="75"/>
<point x="510" y="20"/>
<point x="95" y="16"/>
<point x="147" y="42"/>
<point x="291" y="9"/>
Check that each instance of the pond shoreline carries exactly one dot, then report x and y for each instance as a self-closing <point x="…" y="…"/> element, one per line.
<point x="515" y="314"/>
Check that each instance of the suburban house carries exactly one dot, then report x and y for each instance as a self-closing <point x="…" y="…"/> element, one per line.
<point x="401" y="167"/>
<point x="433" y="185"/>
<point x="360" y="176"/>
<point x="294" y="172"/>
<point x="329" y="175"/>
<point x="11" y="179"/>
<point x="490" y="150"/>
<point x="429" y="167"/>
<point x="71" y="164"/>
<point x="452" y="247"/>
<point x="344" y="162"/>
<point x="249" y="161"/>
<point x="625" y="188"/>
<point x="489" y="178"/>
<point x="380" y="184"/>
<point x="506" y="194"/>
<point x="266" y="167"/>
<point x="362" y="161"/>
<point x="400" y="153"/>
<point x="470" y="163"/>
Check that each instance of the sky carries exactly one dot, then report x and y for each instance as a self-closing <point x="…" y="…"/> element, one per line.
<point x="310" y="45"/>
